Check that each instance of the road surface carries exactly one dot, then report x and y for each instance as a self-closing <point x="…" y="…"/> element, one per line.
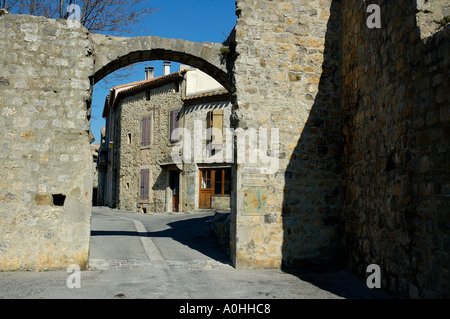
<point x="172" y="256"/>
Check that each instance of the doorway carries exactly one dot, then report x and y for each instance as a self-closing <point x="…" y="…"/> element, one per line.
<point x="206" y="188"/>
<point x="215" y="187"/>
<point x="174" y="184"/>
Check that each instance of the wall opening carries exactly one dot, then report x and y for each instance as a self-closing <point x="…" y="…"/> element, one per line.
<point x="58" y="199"/>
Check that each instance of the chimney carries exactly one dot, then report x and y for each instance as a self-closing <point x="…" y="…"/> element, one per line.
<point x="166" y="67"/>
<point x="149" y="72"/>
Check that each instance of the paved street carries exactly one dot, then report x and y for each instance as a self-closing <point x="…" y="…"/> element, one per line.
<point x="172" y="256"/>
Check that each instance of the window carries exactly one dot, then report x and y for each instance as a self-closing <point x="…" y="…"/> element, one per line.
<point x="174" y="124"/>
<point x="214" y="124"/>
<point x="222" y="181"/>
<point x="129" y="138"/>
<point x="206" y="179"/>
<point x="145" y="185"/>
<point x="146" y="130"/>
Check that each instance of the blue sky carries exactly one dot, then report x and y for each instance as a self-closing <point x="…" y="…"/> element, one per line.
<point x="193" y="20"/>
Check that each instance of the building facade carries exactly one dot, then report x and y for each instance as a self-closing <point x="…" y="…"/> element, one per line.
<point x="157" y="156"/>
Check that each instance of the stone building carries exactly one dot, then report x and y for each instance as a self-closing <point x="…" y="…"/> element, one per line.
<point x="151" y="128"/>
<point x="363" y="116"/>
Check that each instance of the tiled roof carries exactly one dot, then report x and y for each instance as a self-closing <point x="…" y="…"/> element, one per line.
<point x="145" y="85"/>
<point x="206" y="94"/>
<point x="121" y="91"/>
<point x="213" y="96"/>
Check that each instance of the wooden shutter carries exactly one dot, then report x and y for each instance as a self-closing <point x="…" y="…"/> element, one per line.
<point x="145" y="181"/>
<point x="209" y="117"/>
<point x="217" y="125"/>
<point x="174" y="124"/>
<point x="143" y="131"/>
<point x="146" y="124"/>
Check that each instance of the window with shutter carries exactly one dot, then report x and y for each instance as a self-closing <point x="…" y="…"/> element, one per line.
<point x="214" y="124"/>
<point x="217" y="124"/>
<point x="174" y="124"/>
<point x="145" y="130"/>
<point x="145" y="187"/>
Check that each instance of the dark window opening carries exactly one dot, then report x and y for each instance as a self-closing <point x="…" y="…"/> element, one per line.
<point x="390" y="164"/>
<point x="59" y="199"/>
<point x="222" y="181"/>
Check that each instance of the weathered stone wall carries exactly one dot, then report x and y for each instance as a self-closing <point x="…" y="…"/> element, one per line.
<point x="431" y="16"/>
<point x="132" y="157"/>
<point x="395" y="115"/>
<point x="163" y="100"/>
<point x="395" y="139"/>
<point x="131" y="110"/>
<point x="286" y="76"/>
<point x="45" y="159"/>
<point x="384" y="91"/>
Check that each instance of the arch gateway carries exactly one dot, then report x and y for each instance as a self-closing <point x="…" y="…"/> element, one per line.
<point x="48" y="70"/>
<point x="363" y="150"/>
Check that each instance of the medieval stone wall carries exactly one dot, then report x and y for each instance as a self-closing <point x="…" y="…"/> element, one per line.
<point x="318" y="73"/>
<point x="286" y="77"/>
<point x="362" y="160"/>
<point x="395" y="115"/>
<point x="45" y="160"/>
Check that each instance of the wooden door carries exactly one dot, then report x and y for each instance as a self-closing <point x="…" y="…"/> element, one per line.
<point x="174" y="180"/>
<point x="176" y="203"/>
<point x="206" y="188"/>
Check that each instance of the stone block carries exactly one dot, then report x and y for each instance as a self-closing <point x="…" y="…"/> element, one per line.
<point x="43" y="200"/>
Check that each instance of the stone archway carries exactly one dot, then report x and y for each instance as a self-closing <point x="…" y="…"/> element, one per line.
<point x="112" y="53"/>
<point x="48" y="70"/>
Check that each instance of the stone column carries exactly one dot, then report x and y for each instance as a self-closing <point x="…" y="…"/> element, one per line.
<point x="286" y="78"/>
<point x="46" y="162"/>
